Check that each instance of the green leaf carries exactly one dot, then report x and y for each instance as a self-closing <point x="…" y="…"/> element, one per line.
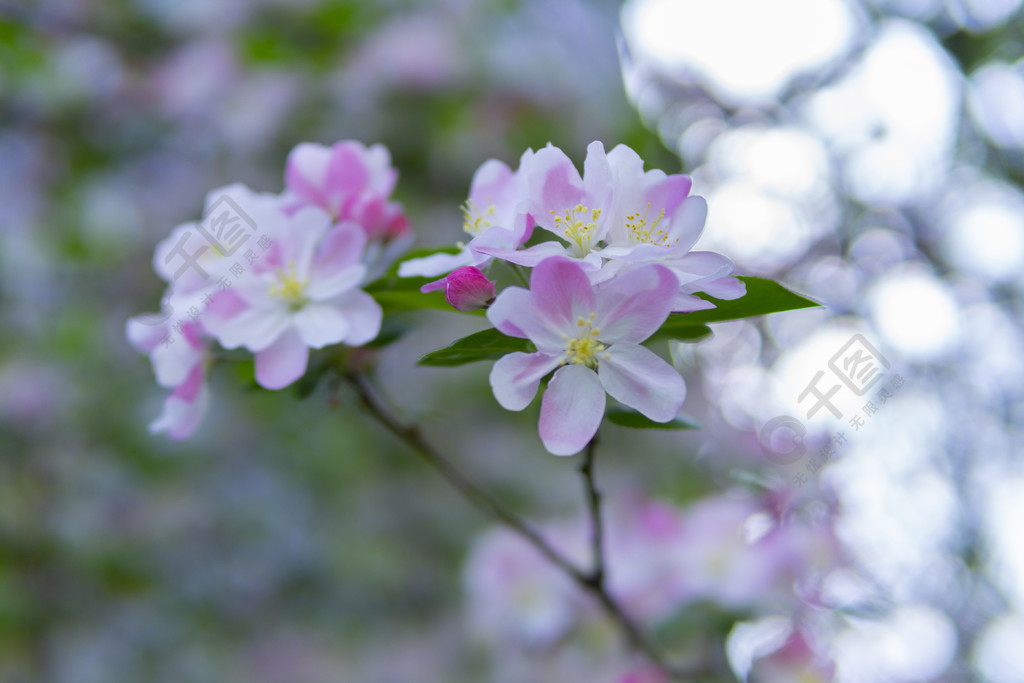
<point x="677" y="327"/>
<point x="411" y="301"/>
<point x="627" y="417"/>
<point x="763" y="297"/>
<point x="486" y="345"/>
<point x="395" y="293"/>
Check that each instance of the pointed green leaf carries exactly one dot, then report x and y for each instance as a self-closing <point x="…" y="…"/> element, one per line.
<point x="414" y="301"/>
<point x="486" y="345"/>
<point x="627" y="417"/>
<point x="763" y="296"/>
<point x="677" y="327"/>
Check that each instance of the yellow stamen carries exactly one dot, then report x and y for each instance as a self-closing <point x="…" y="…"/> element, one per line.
<point x="289" y="287"/>
<point x="475" y="221"/>
<point x="584" y="348"/>
<point x="578" y="226"/>
<point x="639" y="233"/>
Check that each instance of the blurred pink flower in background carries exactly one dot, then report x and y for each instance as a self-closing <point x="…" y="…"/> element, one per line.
<point x="660" y="559"/>
<point x="795" y="660"/>
<point x="351" y="182"/>
<point x="179" y="361"/>
<point x="303" y="294"/>
<point x="515" y="594"/>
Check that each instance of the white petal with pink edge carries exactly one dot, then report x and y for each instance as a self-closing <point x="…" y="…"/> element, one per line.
<point x="571" y="410"/>
<point x="282" y="362"/>
<point x="638" y="378"/>
<point x="515" y="378"/>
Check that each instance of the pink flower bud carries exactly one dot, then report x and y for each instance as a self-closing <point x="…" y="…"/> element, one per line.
<point x="466" y="289"/>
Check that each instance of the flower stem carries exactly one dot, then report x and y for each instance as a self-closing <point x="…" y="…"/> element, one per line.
<point x="593" y="497"/>
<point x="592" y="581"/>
<point x="410" y="434"/>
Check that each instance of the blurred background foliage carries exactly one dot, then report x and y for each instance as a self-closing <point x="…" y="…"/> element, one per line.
<point x="292" y="540"/>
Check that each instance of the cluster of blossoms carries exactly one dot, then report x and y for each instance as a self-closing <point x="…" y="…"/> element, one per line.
<point x="735" y="554"/>
<point x="612" y="262"/>
<point x="280" y="274"/>
<point x="276" y="274"/>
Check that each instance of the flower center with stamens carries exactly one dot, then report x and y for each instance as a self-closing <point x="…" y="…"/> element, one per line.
<point x="290" y="288"/>
<point x="584" y="348"/>
<point x="578" y="226"/>
<point x="475" y="221"/>
<point x="639" y="233"/>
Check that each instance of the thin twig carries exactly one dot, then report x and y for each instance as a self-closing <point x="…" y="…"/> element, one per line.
<point x="593" y="497"/>
<point x="410" y="434"/>
<point x="593" y="581"/>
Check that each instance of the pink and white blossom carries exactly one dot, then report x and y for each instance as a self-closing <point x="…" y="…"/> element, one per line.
<point x="514" y="593"/>
<point x="575" y="208"/>
<point x="589" y="335"/>
<point x="801" y="658"/>
<point x="495" y="216"/>
<point x="304" y="293"/>
<point x="617" y="216"/>
<point x="655" y="220"/>
<point x="349" y="181"/>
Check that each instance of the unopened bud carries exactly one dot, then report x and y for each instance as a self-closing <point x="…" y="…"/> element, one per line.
<point x="466" y="289"/>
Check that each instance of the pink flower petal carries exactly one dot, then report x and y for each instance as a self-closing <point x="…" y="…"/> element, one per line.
<point x="435" y="285"/>
<point x="727" y="288"/>
<point x="516" y="314"/>
<point x="305" y="171"/>
<point x="435" y="264"/>
<point x="468" y="289"/>
<point x="669" y="193"/>
<point x="189" y="389"/>
<point x="282" y="362"/>
<point x="632" y="306"/>
<point x="143" y="335"/>
<point x="597" y="173"/>
<point x="346" y="173"/>
<point x="571" y="410"/>
<point x="180" y="418"/>
<point x="688" y="303"/>
<point x="490" y="181"/>
<point x="553" y="184"/>
<point x="688" y="222"/>
<point x="529" y="258"/>
<point x="562" y="291"/>
<point x="638" y="378"/>
<point x="515" y="378"/>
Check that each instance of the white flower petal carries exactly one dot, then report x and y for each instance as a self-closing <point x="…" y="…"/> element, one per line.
<point x="637" y="377"/>
<point x="515" y="377"/>
<point x="319" y="325"/>
<point x="282" y="362"/>
<point x="571" y="410"/>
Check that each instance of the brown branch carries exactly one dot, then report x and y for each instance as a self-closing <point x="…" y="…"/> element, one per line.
<point x="593" y="581"/>
<point x="593" y="497"/>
